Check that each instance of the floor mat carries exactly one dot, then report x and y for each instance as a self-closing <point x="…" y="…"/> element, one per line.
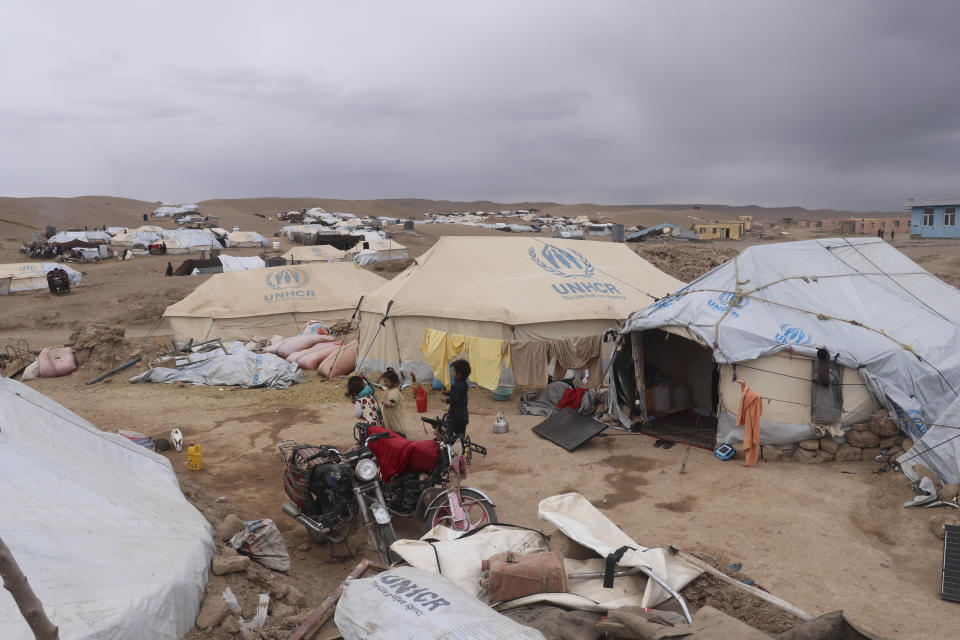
<point x="569" y="429"/>
<point x="685" y="427"/>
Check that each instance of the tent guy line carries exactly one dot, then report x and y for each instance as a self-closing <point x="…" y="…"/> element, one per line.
<point x="100" y="434"/>
<point x="908" y="292"/>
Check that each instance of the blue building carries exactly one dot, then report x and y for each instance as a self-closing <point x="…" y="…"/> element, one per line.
<point x="933" y="218"/>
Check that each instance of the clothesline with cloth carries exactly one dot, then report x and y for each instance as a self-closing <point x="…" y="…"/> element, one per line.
<point x="487" y="356"/>
<point x="532" y="361"/>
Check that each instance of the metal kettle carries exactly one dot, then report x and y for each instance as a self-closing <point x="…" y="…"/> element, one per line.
<point x="500" y="424"/>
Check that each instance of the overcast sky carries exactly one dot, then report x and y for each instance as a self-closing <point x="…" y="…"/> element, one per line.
<point x="819" y="103"/>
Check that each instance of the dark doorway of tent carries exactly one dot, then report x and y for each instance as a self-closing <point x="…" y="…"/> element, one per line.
<point x="671" y="385"/>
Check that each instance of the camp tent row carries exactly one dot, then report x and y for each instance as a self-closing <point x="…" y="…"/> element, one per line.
<point x="886" y="325"/>
<point x="30" y="276"/>
<point x="365" y="252"/>
<point x="889" y="328"/>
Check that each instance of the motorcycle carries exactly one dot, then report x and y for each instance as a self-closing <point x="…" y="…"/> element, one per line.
<point x="329" y="490"/>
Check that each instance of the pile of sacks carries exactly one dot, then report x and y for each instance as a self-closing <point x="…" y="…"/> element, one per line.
<point x="316" y="350"/>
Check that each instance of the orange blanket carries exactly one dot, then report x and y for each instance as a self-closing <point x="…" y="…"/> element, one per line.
<point x="749" y="418"/>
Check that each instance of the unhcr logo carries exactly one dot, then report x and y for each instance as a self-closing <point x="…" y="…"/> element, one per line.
<point x="793" y="335"/>
<point x="288" y="279"/>
<point x="566" y="263"/>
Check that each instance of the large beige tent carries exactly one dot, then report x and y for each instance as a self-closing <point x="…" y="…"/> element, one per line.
<point x="522" y="288"/>
<point x="314" y="253"/>
<point x="277" y="300"/>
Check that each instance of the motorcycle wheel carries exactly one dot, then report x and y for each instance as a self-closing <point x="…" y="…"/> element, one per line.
<point x="479" y="512"/>
<point x="387" y="537"/>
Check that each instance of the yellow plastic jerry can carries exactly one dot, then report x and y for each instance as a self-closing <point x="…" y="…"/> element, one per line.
<point x="194" y="457"/>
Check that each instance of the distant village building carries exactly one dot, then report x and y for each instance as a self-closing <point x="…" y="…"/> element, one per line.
<point x="721" y="230"/>
<point x="933" y="218"/>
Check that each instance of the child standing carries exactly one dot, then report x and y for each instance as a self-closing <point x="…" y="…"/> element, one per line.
<point x="365" y="406"/>
<point x="392" y="411"/>
<point x="457" y="398"/>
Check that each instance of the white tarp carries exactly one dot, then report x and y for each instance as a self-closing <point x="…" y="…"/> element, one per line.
<point x="236" y="263"/>
<point x="83" y="236"/>
<point x="581" y="521"/>
<point x="858" y="297"/>
<point x="405" y="603"/>
<point x="242" y="368"/>
<point x="97" y="524"/>
<point x="459" y="558"/>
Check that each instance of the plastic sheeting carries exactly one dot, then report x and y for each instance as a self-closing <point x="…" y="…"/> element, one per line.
<point x="458" y="558"/>
<point x="581" y="521"/>
<point x="242" y="368"/>
<point x="236" y="263"/>
<point x="860" y="298"/>
<point x="405" y="603"/>
<point x="97" y="524"/>
<point x="939" y="449"/>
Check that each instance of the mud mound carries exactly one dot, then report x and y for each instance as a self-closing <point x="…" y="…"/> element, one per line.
<point x="686" y="262"/>
<point x="100" y="346"/>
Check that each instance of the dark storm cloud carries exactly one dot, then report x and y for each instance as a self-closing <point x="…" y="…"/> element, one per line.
<point x="851" y="104"/>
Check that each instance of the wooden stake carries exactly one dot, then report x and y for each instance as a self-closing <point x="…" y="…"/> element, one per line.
<point x="30" y="606"/>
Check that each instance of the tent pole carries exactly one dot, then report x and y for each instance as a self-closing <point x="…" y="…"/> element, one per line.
<point x="30" y="606"/>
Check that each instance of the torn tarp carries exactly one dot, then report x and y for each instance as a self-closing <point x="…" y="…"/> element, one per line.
<point x="242" y="368"/>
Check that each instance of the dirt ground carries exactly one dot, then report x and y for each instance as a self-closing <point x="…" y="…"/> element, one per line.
<point x="818" y="538"/>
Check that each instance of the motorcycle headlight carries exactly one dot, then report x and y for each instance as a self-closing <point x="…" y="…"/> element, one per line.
<point x="366" y="470"/>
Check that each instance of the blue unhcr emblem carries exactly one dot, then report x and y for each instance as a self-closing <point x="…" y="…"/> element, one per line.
<point x="566" y="263"/>
<point x="793" y="335"/>
<point x="723" y="303"/>
<point x="288" y="279"/>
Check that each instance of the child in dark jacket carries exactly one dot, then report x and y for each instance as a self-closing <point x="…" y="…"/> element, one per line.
<point x="457" y="398"/>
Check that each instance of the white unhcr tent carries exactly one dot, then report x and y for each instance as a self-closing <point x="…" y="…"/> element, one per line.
<point x="101" y="237"/>
<point x="189" y="240"/>
<point x="275" y="300"/>
<point x="314" y="253"/>
<point x="504" y="288"/>
<point x="376" y="250"/>
<point x="30" y="276"/>
<point x="142" y="236"/>
<point x="242" y="239"/>
<point x="891" y="325"/>
<point x="97" y="524"/>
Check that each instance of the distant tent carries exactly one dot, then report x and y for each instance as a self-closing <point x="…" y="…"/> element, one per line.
<point x="189" y="240"/>
<point x="241" y="239"/>
<point x="90" y="237"/>
<point x="889" y="328"/>
<point x="98" y="524"/>
<point x="504" y="288"/>
<point x="314" y="253"/>
<point x="276" y="300"/>
<point x="376" y="250"/>
<point x="142" y="236"/>
<point x="29" y="276"/>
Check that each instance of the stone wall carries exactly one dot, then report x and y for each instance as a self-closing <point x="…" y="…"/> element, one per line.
<point x="865" y="441"/>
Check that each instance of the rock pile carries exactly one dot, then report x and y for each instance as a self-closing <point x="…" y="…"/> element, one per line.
<point x="880" y="437"/>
